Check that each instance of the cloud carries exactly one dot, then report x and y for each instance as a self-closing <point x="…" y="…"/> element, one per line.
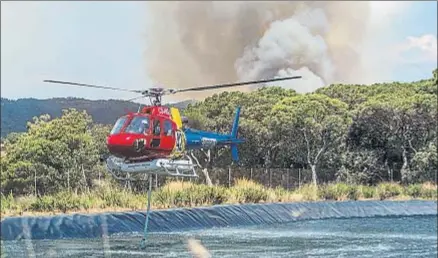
<point x="384" y="11"/>
<point x="417" y="49"/>
<point x="426" y="43"/>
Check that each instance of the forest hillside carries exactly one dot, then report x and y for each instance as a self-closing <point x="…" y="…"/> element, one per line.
<point x="16" y="113"/>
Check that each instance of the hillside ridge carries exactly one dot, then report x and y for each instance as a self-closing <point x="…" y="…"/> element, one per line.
<point x="16" y="113"/>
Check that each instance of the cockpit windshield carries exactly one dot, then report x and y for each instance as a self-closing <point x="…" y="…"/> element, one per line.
<point x="118" y="125"/>
<point x="139" y="124"/>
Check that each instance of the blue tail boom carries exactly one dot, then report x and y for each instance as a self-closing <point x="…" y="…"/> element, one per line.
<point x="197" y="139"/>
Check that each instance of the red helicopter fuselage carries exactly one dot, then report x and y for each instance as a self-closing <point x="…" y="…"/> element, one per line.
<point x="146" y="135"/>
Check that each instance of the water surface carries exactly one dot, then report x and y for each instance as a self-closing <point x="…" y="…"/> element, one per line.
<point x="362" y="237"/>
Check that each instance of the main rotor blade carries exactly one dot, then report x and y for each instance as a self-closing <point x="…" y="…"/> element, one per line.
<point x="132" y="99"/>
<point x="234" y="84"/>
<point x="92" y="86"/>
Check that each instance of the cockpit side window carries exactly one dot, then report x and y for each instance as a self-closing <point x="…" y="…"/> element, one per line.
<point x="139" y="124"/>
<point x="167" y="128"/>
<point x="118" y="125"/>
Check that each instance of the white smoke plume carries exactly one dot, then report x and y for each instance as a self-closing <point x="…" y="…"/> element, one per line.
<point x="203" y="43"/>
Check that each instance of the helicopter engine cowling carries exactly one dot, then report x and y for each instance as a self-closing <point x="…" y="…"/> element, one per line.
<point x="184" y="120"/>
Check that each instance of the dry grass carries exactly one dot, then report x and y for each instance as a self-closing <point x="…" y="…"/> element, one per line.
<point x="106" y="197"/>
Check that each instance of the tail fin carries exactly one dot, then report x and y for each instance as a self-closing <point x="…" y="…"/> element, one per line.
<point x="234" y="151"/>
<point x="235" y="123"/>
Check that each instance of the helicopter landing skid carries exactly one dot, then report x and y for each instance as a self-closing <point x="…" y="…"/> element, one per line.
<point x="165" y="167"/>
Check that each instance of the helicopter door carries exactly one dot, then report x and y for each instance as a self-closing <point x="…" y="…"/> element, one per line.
<point x="167" y="136"/>
<point x="156" y="134"/>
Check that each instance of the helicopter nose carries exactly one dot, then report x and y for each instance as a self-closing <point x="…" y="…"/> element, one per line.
<point x="117" y="143"/>
<point x="120" y="140"/>
<point x="122" y="145"/>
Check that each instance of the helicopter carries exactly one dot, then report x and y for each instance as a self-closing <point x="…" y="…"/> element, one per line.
<point x="156" y="138"/>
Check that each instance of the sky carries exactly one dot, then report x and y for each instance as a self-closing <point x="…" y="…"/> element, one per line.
<point x="103" y="43"/>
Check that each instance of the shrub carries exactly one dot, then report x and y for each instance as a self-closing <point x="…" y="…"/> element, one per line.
<point x="366" y="192"/>
<point x="429" y="191"/>
<point x="43" y="204"/>
<point x="309" y="192"/>
<point x="388" y="190"/>
<point x="246" y="191"/>
<point x="339" y="192"/>
<point x="414" y="190"/>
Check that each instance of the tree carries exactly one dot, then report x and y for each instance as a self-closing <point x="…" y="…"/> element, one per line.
<point x="311" y="125"/>
<point x="425" y="163"/>
<point x="59" y="153"/>
<point x="353" y="95"/>
<point x="435" y="76"/>
<point x="398" y="124"/>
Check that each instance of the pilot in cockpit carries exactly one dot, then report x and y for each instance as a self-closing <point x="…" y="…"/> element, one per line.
<point x="145" y="126"/>
<point x="139" y="125"/>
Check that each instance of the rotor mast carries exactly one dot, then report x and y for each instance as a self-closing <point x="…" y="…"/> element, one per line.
<point x="155" y="95"/>
<point x="157" y="100"/>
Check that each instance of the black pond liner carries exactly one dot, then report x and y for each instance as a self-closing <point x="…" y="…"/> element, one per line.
<point x="177" y="220"/>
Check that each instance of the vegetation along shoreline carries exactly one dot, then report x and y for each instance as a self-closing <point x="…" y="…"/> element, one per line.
<point x="178" y="194"/>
